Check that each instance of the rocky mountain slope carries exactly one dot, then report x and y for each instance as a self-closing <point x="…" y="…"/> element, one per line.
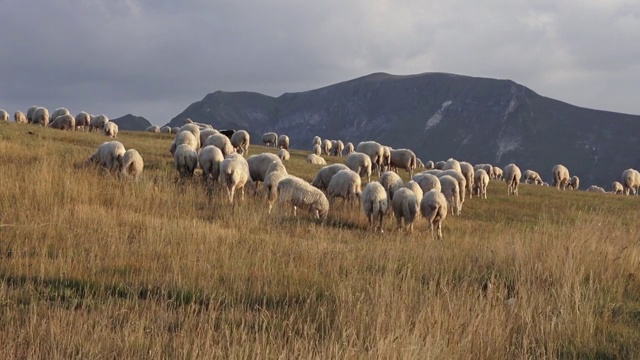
<point x="131" y="122"/>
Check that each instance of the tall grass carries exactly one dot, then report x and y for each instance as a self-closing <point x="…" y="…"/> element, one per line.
<point x="94" y="267"/>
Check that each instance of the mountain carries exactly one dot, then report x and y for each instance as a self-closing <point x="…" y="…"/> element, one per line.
<point x="439" y="116"/>
<point x="131" y="122"/>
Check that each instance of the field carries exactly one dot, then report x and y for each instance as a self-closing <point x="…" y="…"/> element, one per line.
<point x="93" y="267"/>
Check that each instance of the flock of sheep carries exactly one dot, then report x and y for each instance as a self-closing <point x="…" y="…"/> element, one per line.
<point x="223" y="156"/>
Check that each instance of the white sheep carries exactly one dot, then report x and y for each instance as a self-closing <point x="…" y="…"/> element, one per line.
<point x="630" y="181"/>
<point x="439" y="165"/>
<point x="284" y="155"/>
<point x="316" y="160"/>
<point x="195" y="130"/>
<point x="110" y="129"/>
<point x="234" y="175"/>
<point x="165" y="130"/>
<point x="413" y="186"/>
<point x="427" y="182"/>
<point x="360" y="163"/>
<point x="433" y="207"/>
<point x="497" y="173"/>
<point x="419" y="164"/>
<point x="488" y="168"/>
<point x="97" y="122"/>
<point x="131" y="164"/>
<point x="617" y="188"/>
<point x="391" y="182"/>
<point x="209" y="159"/>
<point x="205" y="133"/>
<point x="386" y="158"/>
<point x="4" y="115"/>
<point x="270" y="139"/>
<point x="186" y="160"/>
<point x="375" y="204"/>
<point x="108" y="155"/>
<point x="153" y="129"/>
<point x="532" y="177"/>
<point x="481" y="182"/>
<point x="451" y="192"/>
<point x="41" y="117"/>
<point x="83" y="119"/>
<point x="63" y="122"/>
<point x="337" y="147"/>
<point x="429" y="165"/>
<point x="468" y="172"/>
<point x="595" y="188"/>
<point x="326" y="147"/>
<point x="452" y="164"/>
<point x="512" y="177"/>
<point x="221" y="142"/>
<point x="175" y="130"/>
<point x="29" y="114"/>
<point x="324" y="175"/>
<point x="316" y="141"/>
<point x="376" y="154"/>
<point x="187" y="121"/>
<point x="574" y="183"/>
<point x="345" y="184"/>
<point x="405" y="208"/>
<point x="462" y="182"/>
<point x="560" y="176"/>
<point x="316" y="150"/>
<point x="283" y="141"/>
<point x="259" y="165"/>
<point x="183" y="137"/>
<point x="19" y="117"/>
<point x="300" y="194"/>
<point x="271" y="185"/>
<point x="58" y="112"/>
<point x="403" y="159"/>
<point x="349" y="148"/>
<point x="240" y="140"/>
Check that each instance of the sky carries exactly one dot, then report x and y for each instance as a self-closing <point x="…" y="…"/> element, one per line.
<point x="153" y="58"/>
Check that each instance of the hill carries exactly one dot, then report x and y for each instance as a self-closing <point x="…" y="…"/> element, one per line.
<point x="131" y="122"/>
<point x="439" y="115"/>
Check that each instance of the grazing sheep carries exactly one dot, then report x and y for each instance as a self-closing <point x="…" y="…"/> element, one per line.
<point x="405" y="208"/>
<point x="175" y="130"/>
<point x="386" y="158"/>
<point x="452" y="164"/>
<point x="108" y="155"/>
<point x="360" y="163"/>
<point x="186" y="160"/>
<point x="183" y="137"/>
<point x="165" y="130"/>
<point x="195" y="130"/>
<point x="375" y="152"/>
<point x="326" y="147"/>
<point x="270" y="139"/>
<point x="532" y="177"/>
<point x="630" y="181"/>
<point x="221" y="142"/>
<point x="429" y="165"/>
<point x="349" y="148"/>
<point x="41" y="117"/>
<point x="316" y="141"/>
<point x="419" y="164"/>
<point x="462" y="182"/>
<point x="468" y="173"/>
<point x="110" y="129"/>
<point x="316" y="160"/>
<point x="316" y="150"/>
<point x="595" y="188"/>
<point x="574" y="183"/>
<point x="58" y="112"/>
<point x="98" y="122"/>
<point x="240" y="141"/>
<point x="271" y="185"/>
<point x="259" y="165"/>
<point x="403" y="159"/>
<point x="324" y="175"/>
<point x="337" y="147"/>
<point x="427" y="182"/>
<point x="153" y="129"/>
<point x="19" y="117"/>
<point x="413" y="186"/>
<point x="391" y="182"/>
<point x="205" y="133"/>
<point x="345" y="184"/>
<point x="284" y="155"/>
<point x="617" y="188"/>
<point x="497" y="173"/>
<point x="209" y="159"/>
<point x="375" y="204"/>
<point x="276" y="166"/>
<point x="451" y="191"/>
<point x="480" y="183"/>
<point x="488" y="168"/>
<point x="512" y="177"/>
<point x="83" y="119"/>
<point x="300" y="194"/>
<point x="187" y="121"/>
<point x="30" y="112"/>
<point x="433" y="207"/>
<point x="4" y="115"/>
<point x="560" y="176"/>
<point x="64" y="122"/>
<point x="439" y="165"/>
<point x="234" y="175"/>
<point x="131" y="164"/>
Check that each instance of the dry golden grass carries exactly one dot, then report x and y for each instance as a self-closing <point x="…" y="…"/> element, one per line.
<point x="93" y="267"/>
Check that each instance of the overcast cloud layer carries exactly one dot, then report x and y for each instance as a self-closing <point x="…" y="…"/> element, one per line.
<point x="153" y="58"/>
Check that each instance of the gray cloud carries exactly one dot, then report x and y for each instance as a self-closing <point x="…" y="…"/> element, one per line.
<point x="154" y="58"/>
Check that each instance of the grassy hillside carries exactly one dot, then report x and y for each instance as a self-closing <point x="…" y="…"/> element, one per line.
<point x="93" y="267"/>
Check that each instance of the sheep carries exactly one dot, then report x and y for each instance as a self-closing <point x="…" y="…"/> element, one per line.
<point x="209" y="158"/>
<point x="386" y="158"/>
<point x="488" y="168"/>
<point x="83" y="119"/>
<point x="595" y="188"/>
<point x="417" y="190"/>
<point x="433" y="207"/>
<point x="439" y="165"/>
<point x="186" y="160"/>
<point x="345" y="184"/>
<point x="405" y="208"/>
<point x="326" y="147"/>
<point x="271" y="182"/>
<point x="131" y="164"/>
<point x="187" y="121"/>
<point x="4" y="115"/>
<point x="419" y="164"/>
<point x="497" y="173"/>
<point x="64" y="122"/>
<point x="462" y="182"/>
<point x="560" y="176"/>
<point x="480" y="183"/>
<point x="30" y="112"/>
<point x="574" y="183"/>
<point x="403" y="159"/>
<point x="316" y="150"/>
<point x="360" y="163"/>
<point x="451" y="191"/>
<point x="375" y="152"/>
<point x="270" y="139"/>
<point x="195" y="130"/>
<point x="284" y="155"/>
<point x="175" y="130"/>
<point x="391" y="182"/>
<point x="108" y="155"/>
<point x="41" y="117"/>
<point x="221" y="142"/>
<point x="512" y="177"/>
<point x="183" y="137"/>
<point x="452" y="164"/>
<point x="468" y="173"/>
<point x="375" y="204"/>
<point x="153" y="129"/>
<point x="234" y="175"/>
<point x="316" y="141"/>
<point x="630" y="181"/>
<point x="259" y="165"/>
<point x="240" y="141"/>
<point x="337" y="147"/>
<point x="98" y="122"/>
<point x="298" y="193"/>
<point x="316" y="160"/>
<point x="349" y="148"/>
<point x="617" y="188"/>
<point x="532" y="177"/>
<point x="429" y="165"/>
<point x="204" y="135"/>
<point x="58" y="112"/>
<point x="110" y="129"/>
<point x="19" y="117"/>
<point x="427" y="182"/>
<point x="165" y="130"/>
<point x="324" y="175"/>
